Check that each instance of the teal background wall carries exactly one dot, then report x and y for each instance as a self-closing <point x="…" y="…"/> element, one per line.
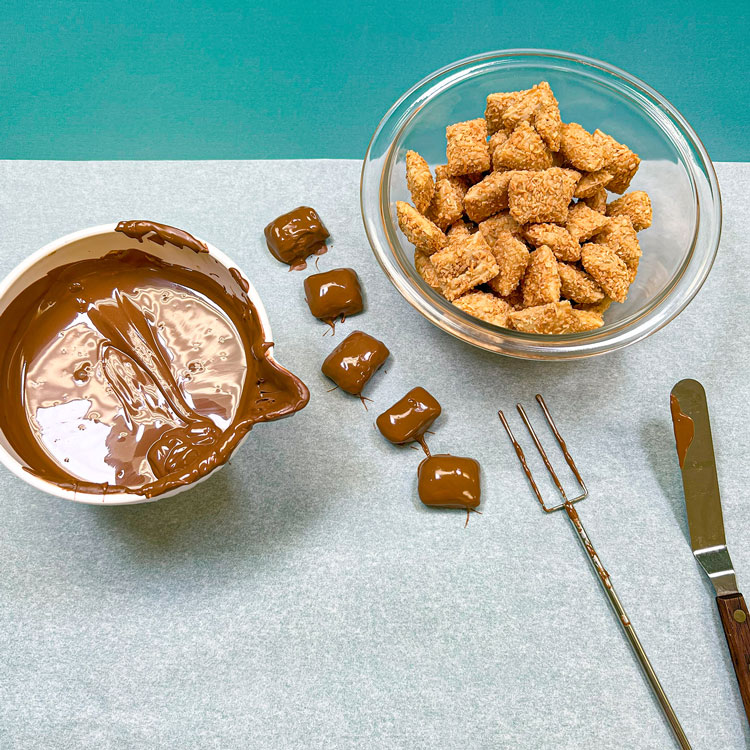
<point x="106" y="79"/>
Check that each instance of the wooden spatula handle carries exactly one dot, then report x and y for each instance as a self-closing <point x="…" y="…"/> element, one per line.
<point x="736" y="621"/>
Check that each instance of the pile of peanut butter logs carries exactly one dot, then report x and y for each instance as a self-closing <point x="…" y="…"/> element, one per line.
<point x="516" y="227"/>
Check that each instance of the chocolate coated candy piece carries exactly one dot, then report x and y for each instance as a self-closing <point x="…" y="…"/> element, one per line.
<point x="295" y="235"/>
<point x="447" y="481"/>
<point x="333" y="293"/>
<point x="410" y="417"/>
<point x="354" y="361"/>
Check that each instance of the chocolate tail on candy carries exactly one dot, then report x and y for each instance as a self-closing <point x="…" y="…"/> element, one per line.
<point x="444" y="481"/>
<point x="469" y="511"/>
<point x="294" y="236"/>
<point x="334" y="295"/>
<point x="447" y="481"/>
<point x="421" y="440"/>
<point x="354" y="361"/>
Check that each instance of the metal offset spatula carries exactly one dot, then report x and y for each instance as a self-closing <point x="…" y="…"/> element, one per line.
<point x="695" y="450"/>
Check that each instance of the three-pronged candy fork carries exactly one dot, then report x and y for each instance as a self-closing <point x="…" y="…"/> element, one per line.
<point x="568" y="505"/>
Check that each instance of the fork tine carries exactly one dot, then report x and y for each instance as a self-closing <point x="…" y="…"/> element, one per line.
<point x="522" y="459"/>
<point x="542" y="452"/>
<point x="563" y="445"/>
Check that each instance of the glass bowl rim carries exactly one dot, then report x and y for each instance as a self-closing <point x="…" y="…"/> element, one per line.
<point x="649" y="319"/>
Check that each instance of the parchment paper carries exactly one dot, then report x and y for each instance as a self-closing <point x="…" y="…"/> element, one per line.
<point x="302" y="598"/>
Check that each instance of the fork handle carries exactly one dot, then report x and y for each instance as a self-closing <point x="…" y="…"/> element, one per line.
<point x="628" y="629"/>
<point x="736" y="621"/>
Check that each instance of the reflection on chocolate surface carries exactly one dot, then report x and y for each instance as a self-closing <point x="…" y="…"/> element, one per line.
<point x="160" y="233"/>
<point x="333" y="293"/>
<point x="127" y="373"/>
<point x="409" y="418"/>
<point x="294" y="236"/>
<point x="446" y="481"/>
<point x="684" y="429"/>
<point x="354" y="361"/>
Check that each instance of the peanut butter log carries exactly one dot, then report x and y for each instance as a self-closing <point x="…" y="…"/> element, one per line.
<point x="410" y="417"/>
<point x="354" y="361"/>
<point x="334" y="293"/>
<point x="126" y="373"/>
<point x="296" y="235"/>
<point x="446" y="481"/>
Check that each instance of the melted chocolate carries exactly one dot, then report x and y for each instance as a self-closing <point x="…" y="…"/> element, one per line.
<point x="296" y="235"/>
<point x="684" y="429"/>
<point x="600" y="569"/>
<point x="333" y="293"/>
<point x="409" y="418"/>
<point x="159" y="234"/>
<point x="127" y="373"/>
<point x="240" y="279"/>
<point x="354" y="361"/>
<point x="522" y="459"/>
<point x="446" y="481"/>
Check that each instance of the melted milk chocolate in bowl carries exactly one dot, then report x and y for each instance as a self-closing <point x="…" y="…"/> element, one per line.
<point x="128" y="373"/>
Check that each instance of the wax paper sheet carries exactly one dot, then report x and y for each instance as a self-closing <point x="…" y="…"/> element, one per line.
<point x="302" y="597"/>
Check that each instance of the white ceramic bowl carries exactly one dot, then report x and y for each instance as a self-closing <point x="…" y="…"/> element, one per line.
<point x="94" y="243"/>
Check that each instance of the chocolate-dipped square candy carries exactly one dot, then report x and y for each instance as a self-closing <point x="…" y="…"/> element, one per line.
<point x="354" y="361"/>
<point x="334" y="293"/>
<point x="296" y="235"/>
<point x="446" y="481"/>
<point x="410" y="417"/>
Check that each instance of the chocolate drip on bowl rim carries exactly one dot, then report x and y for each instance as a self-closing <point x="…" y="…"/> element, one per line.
<point x="160" y="233"/>
<point x="131" y="374"/>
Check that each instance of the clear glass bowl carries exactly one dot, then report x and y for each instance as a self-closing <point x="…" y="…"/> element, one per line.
<point x="678" y="249"/>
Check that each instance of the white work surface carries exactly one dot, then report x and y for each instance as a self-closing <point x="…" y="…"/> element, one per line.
<point x="302" y="597"/>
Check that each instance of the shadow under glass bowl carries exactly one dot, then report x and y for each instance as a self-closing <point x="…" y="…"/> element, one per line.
<point x="678" y="249"/>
